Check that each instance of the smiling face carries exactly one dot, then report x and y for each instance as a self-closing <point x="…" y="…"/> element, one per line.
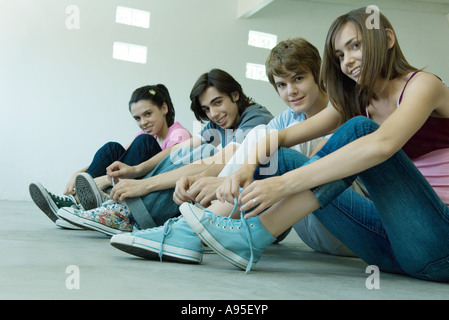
<point x="348" y="50"/>
<point x="220" y="108"/>
<point x="299" y="92"/>
<point x="149" y="117"/>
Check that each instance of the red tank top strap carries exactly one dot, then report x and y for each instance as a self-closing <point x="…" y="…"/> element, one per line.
<point x="403" y="89"/>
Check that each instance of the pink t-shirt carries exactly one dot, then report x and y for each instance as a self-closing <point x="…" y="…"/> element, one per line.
<point x="429" y="151"/>
<point x="176" y="134"/>
<point x="434" y="166"/>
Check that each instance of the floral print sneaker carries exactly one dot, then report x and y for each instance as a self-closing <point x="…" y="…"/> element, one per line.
<point x="111" y="218"/>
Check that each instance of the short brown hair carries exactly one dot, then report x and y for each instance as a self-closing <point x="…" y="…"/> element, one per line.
<point x="293" y="55"/>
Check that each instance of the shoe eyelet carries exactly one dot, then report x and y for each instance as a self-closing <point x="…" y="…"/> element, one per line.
<point x="251" y="225"/>
<point x="231" y="228"/>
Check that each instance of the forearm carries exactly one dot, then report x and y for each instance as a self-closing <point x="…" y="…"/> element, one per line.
<point x="210" y="166"/>
<point x="103" y="182"/>
<point x="146" y="167"/>
<point x="315" y="127"/>
<point x="168" y="179"/>
<point x="349" y="160"/>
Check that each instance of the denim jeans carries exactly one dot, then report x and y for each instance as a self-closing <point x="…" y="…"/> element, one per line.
<point x="155" y="208"/>
<point x="403" y="229"/>
<point x="142" y="148"/>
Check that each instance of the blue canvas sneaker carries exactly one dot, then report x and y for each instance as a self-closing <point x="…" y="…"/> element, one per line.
<point x="174" y="241"/>
<point x="241" y="242"/>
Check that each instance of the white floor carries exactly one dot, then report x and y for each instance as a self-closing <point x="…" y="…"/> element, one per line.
<point x="41" y="261"/>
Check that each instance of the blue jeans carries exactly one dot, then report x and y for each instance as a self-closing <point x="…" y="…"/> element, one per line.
<point x="155" y="208"/>
<point x="142" y="148"/>
<point x="403" y="229"/>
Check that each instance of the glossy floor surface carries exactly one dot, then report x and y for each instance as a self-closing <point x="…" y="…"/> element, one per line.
<point x="39" y="260"/>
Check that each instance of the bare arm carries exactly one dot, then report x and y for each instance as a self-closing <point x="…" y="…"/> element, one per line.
<point x="317" y="126"/>
<point x="119" y="170"/>
<point x="420" y="100"/>
<point x="209" y="166"/>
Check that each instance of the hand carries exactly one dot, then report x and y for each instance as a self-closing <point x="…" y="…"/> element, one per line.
<point x="128" y="188"/>
<point x="181" y="193"/>
<point x="203" y="190"/>
<point x="120" y="170"/>
<point x="229" y="189"/>
<point x="196" y="188"/>
<point x="70" y="186"/>
<point x="266" y="192"/>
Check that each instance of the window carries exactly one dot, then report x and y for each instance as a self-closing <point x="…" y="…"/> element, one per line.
<point x="256" y="72"/>
<point x="259" y="40"/>
<point x="262" y="40"/>
<point x="132" y="17"/>
<point x="129" y="52"/>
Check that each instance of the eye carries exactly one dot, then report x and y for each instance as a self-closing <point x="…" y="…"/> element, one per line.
<point x="280" y="85"/>
<point x="299" y="78"/>
<point x="206" y="109"/>
<point x="137" y="119"/>
<point x="355" y="46"/>
<point x="147" y="114"/>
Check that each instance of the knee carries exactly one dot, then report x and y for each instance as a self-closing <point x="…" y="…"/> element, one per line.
<point x="112" y="146"/>
<point x="144" y="139"/>
<point x="360" y="125"/>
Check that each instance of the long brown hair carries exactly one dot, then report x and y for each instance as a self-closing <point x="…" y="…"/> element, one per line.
<point x="347" y="96"/>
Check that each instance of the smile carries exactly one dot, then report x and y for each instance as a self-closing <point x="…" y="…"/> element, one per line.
<point x="221" y="120"/>
<point x="355" y="71"/>
<point x="297" y="100"/>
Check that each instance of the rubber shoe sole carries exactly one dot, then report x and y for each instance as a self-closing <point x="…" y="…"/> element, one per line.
<point x="87" y="191"/>
<point x="43" y="201"/>
<point x="67" y="214"/>
<point x="149" y="249"/>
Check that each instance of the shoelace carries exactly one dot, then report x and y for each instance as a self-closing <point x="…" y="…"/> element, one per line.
<point x="248" y="236"/>
<point x="63" y="197"/>
<point x="165" y="232"/>
<point x="247" y="232"/>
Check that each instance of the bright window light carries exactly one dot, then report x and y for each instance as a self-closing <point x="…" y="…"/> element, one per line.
<point x="256" y="72"/>
<point x="132" y="17"/>
<point x="262" y="40"/>
<point x="130" y="52"/>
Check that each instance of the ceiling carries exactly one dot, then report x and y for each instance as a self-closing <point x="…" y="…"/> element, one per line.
<point x="248" y="7"/>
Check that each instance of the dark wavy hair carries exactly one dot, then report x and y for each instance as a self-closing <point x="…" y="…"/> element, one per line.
<point x="224" y="83"/>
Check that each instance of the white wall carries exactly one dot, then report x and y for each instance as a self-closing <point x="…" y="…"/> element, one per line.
<point x="62" y="95"/>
